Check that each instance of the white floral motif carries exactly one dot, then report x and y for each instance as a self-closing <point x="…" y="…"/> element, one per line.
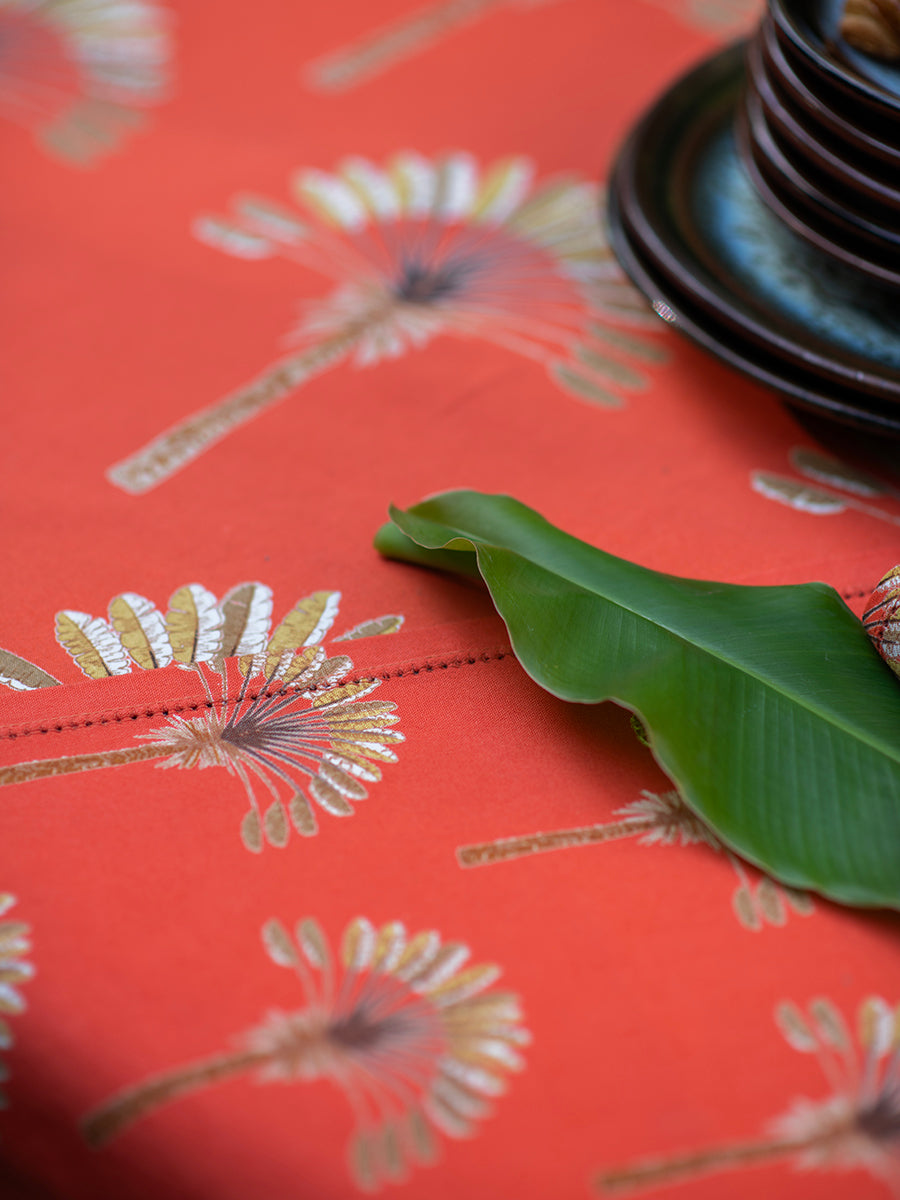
<point x="421" y="247"/>
<point x="417" y="1040"/>
<point x="82" y="72"/>
<point x="857" y="1126"/>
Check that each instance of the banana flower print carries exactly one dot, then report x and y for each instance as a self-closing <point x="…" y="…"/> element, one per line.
<point x="80" y="73"/>
<point x="663" y="820"/>
<point x="385" y="47"/>
<point x="14" y="971"/>
<point x="855" y="1127"/>
<point x="278" y="709"/>
<point x="418" y="1042"/>
<point x="419" y="248"/>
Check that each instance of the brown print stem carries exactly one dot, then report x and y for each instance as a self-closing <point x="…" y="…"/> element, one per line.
<point x="485" y="853"/>
<point x="130" y="1105"/>
<point x="392" y="43"/>
<point x="174" y="449"/>
<point x="742" y="1154"/>
<point x="42" y="768"/>
<point x="869" y="509"/>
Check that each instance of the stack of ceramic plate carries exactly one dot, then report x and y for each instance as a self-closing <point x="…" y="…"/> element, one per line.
<point x="757" y="205"/>
<point x="826" y="163"/>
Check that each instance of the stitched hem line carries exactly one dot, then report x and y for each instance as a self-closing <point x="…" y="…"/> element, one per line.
<point x="423" y="666"/>
<point x="427" y="666"/>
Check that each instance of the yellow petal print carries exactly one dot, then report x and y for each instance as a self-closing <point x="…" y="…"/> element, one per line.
<point x="246" y="616"/>
<point x="284" y="715"/>
<point x="312" y="671"/>
<point x="412" y="1060"/>
<point x="141" y="629"/>
<point x="314" y="944"/>
<point x="307" y="623"/>
<point x="855" y="1126"/>
<point x="22" y="675"/>
<point x="346" y="693"/>
<point x="655" y="820"/>
<point x="199" y="629"/>
<point x="418" y="248"/>
<point x="276" y="825"/>
<point x="271" y="220"/>
<point x="503" y="190"/>
<point x="357" y="944"/>
<point x="844" y="485"/>
<point x="278" y="945"/>
<point x="389" y="946"/>
<point x="387" y="624"/>
<point x="194" y="625"/>
<point x="373" y="187"/>
<point x="92" y="644"/>
<point x="82" y="73"/>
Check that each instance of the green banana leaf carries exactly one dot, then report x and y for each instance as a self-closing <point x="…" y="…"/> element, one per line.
<point x="768" y="707"/>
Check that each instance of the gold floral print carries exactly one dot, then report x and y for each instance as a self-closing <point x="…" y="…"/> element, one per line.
<point x="856" y="487"/>
<point x="81" y="72"/>
<point x="14" y="971"/>
<point x="856" y="1126"/>
<point x="279" y="711"/>
<point x="376" y="52"/>
<point x="661" y="820"/>
<point x="196" y="628"/>
<point x="421" y="247"/>
<point x="416" y="1040"/>
<point x="21" y="675"/>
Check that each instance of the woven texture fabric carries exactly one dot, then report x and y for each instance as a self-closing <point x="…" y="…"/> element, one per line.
<point x="269" y="269"/>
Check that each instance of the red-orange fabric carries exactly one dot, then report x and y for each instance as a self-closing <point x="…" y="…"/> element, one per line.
<point x="650" y="1006"/>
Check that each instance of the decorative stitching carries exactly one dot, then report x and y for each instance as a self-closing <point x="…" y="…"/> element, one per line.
<point x="424" y="667"/>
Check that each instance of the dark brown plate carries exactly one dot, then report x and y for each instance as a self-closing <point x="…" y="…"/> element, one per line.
<point x="822" y="235"/>
<point x="815" y="153"/>
<point x="696" y="218"/>
<point x="811" y="210"/>
<point x="818" y="106"/>
<point x="810" y="28"/>
<point x="804" y="392"/>
<point x="764" y="153"/>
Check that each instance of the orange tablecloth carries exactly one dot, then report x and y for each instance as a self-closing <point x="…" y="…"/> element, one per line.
<point x="377" y="230"/>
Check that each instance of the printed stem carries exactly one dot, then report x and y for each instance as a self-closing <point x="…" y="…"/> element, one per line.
<point x="717" y="1158"/>
<point x="869" y="509"/>
<point x="395" y="42"/>
<point x="43" y="767"/>
<point x="485" y="853"/>
<point x="105" y="1122"/>
<point x="174" y="449"/>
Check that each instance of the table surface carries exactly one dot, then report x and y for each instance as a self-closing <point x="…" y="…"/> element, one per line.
<point x="270" y="268"/>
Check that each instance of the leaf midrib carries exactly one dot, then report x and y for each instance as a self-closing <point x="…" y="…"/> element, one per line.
<point x="831" y="719"/>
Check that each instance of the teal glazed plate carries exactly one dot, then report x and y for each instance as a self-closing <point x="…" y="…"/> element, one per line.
<point x="685" y="201"/>
<point x="805" y="395"/>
